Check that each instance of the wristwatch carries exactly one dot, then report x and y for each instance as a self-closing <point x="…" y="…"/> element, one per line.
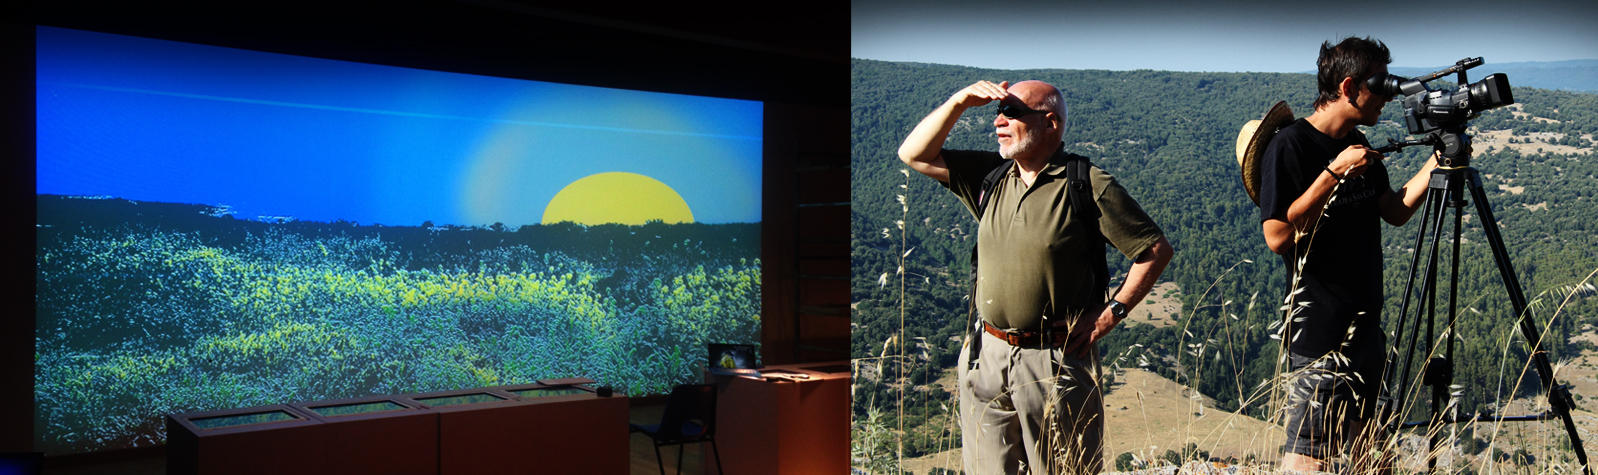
<point x="1118" y="309"/>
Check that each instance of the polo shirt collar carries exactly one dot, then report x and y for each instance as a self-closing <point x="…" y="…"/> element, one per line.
<point x="1056" y="165"/>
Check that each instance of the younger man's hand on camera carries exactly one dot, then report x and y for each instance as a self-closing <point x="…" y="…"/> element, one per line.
<point x="1353" y="161"/>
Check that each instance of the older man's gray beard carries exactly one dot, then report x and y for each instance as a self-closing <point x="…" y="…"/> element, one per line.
<point x="1022" y="145"/>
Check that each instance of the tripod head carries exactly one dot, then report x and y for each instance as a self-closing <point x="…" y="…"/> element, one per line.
<point x="1453" y="146"/>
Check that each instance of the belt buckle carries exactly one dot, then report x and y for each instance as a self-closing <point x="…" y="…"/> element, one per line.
<point x="1008" y="336"/>
<point x="1016" y="337"/>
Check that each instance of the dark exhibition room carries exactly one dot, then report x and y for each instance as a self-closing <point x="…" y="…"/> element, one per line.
<point x="455" y="237"/>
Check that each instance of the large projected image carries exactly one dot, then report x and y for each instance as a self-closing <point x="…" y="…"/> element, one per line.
<point x="222" y="228"/>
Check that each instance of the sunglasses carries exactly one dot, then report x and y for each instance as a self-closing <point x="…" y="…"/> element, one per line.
<point x="1013" y="111"/>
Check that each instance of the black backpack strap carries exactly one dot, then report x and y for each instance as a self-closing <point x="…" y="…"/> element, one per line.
<point x="1084" y="207"/>
<point x="989" y="182"/>
<point x="1081" y="189"/>
<point x="1079" y="193"/>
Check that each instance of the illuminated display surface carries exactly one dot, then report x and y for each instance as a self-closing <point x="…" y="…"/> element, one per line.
<point x="442" y="401"/>
<point x="221" y="228"/>
<point x="241" y="419"/>
<point x="353" y="409"/>
<point x="546" y="392"/>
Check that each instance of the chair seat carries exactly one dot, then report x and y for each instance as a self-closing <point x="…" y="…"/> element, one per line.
<point x="691" y="431"/>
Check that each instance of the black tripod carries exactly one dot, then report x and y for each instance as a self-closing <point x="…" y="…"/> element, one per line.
<point x="1445" y="191"/>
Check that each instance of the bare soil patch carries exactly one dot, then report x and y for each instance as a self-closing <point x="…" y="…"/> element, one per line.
<point x="1540" y="142"/>
<point x="1162" y="308"/>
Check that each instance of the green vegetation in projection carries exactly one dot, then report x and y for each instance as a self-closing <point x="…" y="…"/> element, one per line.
<point x="149" y="308"/>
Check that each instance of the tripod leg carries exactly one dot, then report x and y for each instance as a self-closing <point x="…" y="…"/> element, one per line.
<point x="1409" y="291"/>
<point x="1429" y="363"/>
<point x="1434" y="204"/>
<point x="1442" y="372"/>
<point x="1558" y="398"/>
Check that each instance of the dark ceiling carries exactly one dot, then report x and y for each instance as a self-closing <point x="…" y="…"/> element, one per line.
<point x="799" y="56"/>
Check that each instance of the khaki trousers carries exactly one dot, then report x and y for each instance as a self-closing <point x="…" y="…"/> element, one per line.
<point x="1022" y="411"/>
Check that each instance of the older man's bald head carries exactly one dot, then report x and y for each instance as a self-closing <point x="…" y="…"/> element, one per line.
<point x="1043" y="96"/>
<point x="1040" y="95"/>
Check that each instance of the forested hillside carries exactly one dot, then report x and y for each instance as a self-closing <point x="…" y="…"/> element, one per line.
<point x="1169" y="138"/>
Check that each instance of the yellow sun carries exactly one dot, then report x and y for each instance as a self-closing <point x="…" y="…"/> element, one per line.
<point x="617" y="197"/>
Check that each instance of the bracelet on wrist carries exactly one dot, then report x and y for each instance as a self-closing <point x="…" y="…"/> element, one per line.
<point x="1334" y="174"/>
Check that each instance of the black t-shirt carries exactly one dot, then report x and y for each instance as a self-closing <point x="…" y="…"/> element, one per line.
<point x="1342" y="274"/>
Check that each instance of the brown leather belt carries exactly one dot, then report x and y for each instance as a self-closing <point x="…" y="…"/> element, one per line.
<point x="1027" y="338"/>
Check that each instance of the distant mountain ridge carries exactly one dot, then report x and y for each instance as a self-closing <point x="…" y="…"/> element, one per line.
<point x="1578" y="75"/>
<point x="1575" y="75"/>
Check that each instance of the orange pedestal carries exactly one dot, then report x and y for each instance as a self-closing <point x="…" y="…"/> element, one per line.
<point x="257" y="440"/>
<point x="506" y="430"/>
<point x="580" y="433"/>
<point x="783" y="426"/>
<point x="372" y="435"/>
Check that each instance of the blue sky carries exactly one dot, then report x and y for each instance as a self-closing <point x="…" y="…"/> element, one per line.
<point x="1223" y="36"/>
<point x="278" y="135"/>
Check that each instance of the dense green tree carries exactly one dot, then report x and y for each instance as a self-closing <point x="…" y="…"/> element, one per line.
<point x="1125" y="462"/>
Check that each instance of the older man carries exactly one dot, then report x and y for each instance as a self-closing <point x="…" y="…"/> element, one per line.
<point x="1029" y="400"/>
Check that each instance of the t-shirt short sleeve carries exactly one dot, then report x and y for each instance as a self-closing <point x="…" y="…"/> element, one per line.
<point x="1124" y="224"/>
<point x="967" y="168"/>
<point x="1281" y="178"/>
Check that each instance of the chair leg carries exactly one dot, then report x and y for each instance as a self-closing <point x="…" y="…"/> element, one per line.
<point x="661" y="464"/>
<point x="679" y="458"/>
<point x="716" y="453"/>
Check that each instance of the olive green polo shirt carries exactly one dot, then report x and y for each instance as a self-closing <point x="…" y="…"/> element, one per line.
<point x="1035" y="257"/>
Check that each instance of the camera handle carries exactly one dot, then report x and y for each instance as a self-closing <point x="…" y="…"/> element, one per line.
<point x="1396" y="145"/>
<point x="1452" y="146"/>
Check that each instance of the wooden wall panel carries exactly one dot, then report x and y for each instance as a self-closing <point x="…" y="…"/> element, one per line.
<point x="806" y="236"/>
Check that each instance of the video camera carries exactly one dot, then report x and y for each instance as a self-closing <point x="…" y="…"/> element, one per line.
<point x="1441" y="114"/>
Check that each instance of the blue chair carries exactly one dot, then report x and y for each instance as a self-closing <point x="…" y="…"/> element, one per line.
<point x="689" y="417"/>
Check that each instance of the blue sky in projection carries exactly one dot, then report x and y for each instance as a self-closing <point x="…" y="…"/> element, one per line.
<point x="278" y="135"/>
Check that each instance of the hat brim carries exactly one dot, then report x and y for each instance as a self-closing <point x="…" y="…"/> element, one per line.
<point x="1251" y="142"/>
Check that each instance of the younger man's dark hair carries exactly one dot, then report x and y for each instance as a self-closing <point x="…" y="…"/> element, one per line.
<point x="1353" y="57"/>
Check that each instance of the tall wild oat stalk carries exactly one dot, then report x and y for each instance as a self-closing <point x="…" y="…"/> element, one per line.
<point x="904" y="214"/>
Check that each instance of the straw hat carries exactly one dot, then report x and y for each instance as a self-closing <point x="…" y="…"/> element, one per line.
<point x="1251" y="143"/>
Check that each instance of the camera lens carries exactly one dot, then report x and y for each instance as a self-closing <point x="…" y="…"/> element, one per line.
<point x="1490" y="92"/>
